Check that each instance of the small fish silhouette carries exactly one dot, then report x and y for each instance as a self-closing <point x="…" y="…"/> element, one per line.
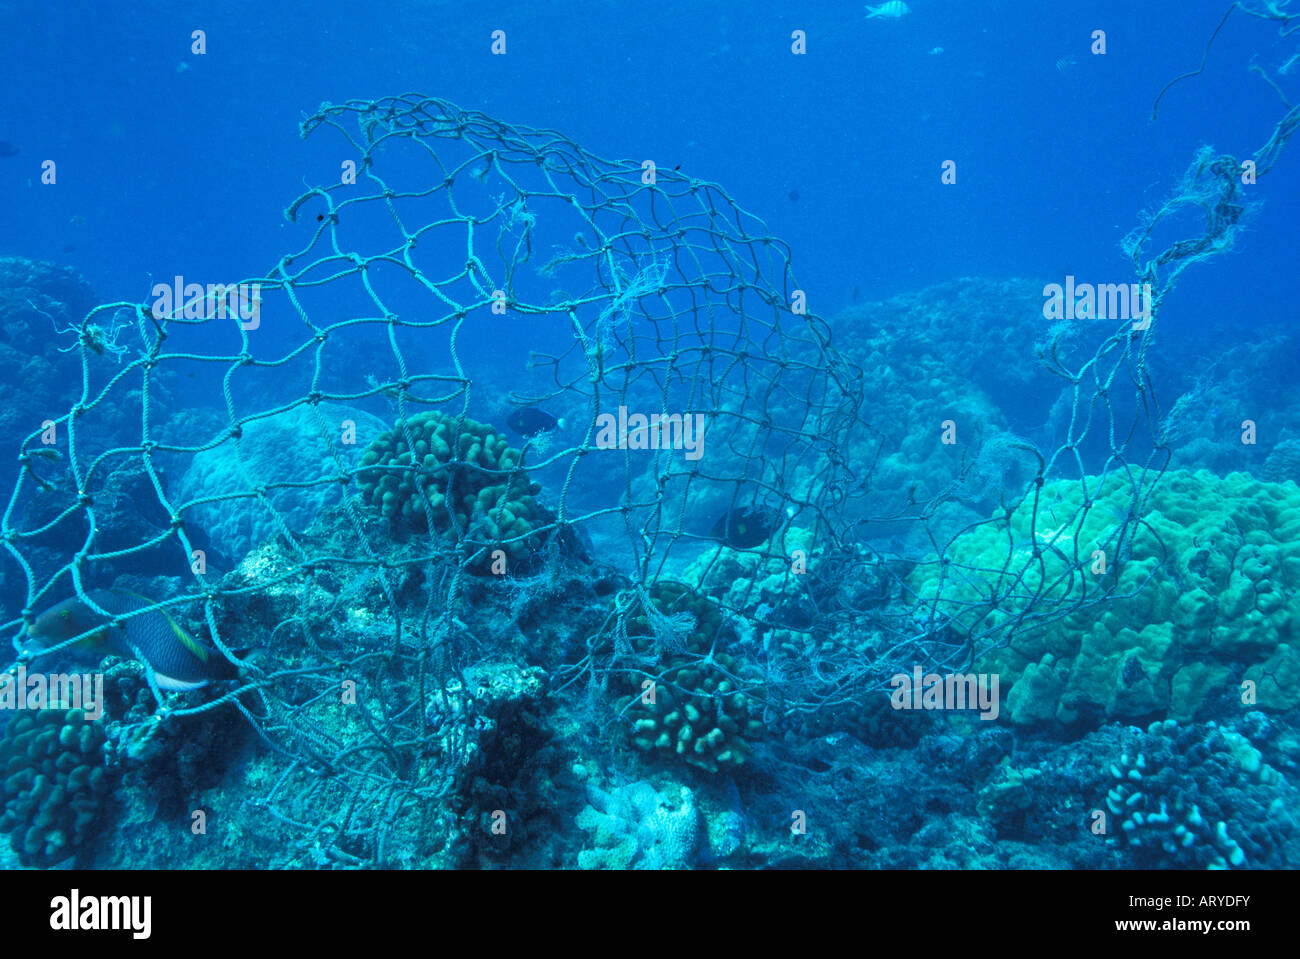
<point x="529" y="421"/>
<point x="893" y="10"/>
<point x="745" y="527"/>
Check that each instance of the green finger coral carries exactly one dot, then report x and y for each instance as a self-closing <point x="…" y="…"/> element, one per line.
<point x="1092" y="611"/>
<point x="459" y="477"/>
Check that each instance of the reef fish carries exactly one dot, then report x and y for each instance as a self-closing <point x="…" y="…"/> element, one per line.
<point x="529" y="421"/>
<point x="893" y="10"/>
<point x="744" y="527"/>
<point x="179" y="661"/>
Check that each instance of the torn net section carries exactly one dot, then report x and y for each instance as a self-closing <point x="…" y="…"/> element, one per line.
<point x="473" y="270"/>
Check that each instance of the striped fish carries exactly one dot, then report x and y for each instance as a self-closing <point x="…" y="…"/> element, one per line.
<point x="893" y="10"/>
<point x="179" y="661"/>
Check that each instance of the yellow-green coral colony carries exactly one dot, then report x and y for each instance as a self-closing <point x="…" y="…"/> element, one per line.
<point x="1198" y="608"/>
<point x="54" y="784"/>
<point x="472" y="485"/>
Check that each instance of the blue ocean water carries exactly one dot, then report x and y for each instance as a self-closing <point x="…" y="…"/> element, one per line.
<point x="576" y="651"/>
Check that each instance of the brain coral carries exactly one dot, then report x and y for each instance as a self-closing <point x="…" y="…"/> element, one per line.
<point x="1200" y="599"/>
<point x="470" y="476"/>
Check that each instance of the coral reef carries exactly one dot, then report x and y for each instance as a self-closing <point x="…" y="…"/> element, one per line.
<point x="825" y="623"/>
<point x="36" y="299"/>
<point x="915" y="381"/>
<point x="743" y="580"/>
<point x="981" y="796"/>
<point x="168" y="757"/>
<point x="507" y="776"/>
<point x="1217" y="389"/>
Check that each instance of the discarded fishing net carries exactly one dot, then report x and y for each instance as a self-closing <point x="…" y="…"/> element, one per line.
<point x="705" y="494"/>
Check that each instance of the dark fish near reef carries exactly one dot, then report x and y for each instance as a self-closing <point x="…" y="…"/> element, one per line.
<point x="179" y="661"/>
<point x="7" y="149"/>
<point x="529" y="421"/>
<point x="745" y="527"/>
